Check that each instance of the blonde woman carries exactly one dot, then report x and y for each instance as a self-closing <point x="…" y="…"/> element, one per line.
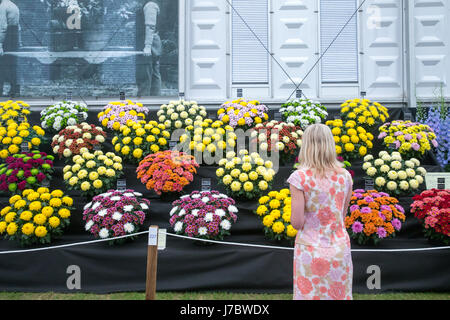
<point x="321" y="190"/>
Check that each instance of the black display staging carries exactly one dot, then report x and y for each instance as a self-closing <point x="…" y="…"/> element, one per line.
<point x="186" y="265"/>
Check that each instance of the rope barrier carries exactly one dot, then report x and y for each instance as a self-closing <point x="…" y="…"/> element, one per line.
<point x="210" y="241"/>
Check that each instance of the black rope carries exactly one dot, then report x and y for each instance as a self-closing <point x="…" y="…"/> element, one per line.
<point x="322" y="55"/>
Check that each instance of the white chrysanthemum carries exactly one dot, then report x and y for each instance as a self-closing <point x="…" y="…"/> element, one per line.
<point x="225" y="224"/>
<point x="87" y="206"/>
<point x="415" y="161"/>
<point x="209" y="217"/>
<point x="88" y="225"/>
<point x="410" y="172"/>
<point x="384" y="168"/>
<point x="182" y="212"/>
<point x="205" y="199"/>
<point x="144" y="206"/>
<point x="404" y="185"/>
<point x="402" y="175"/>
<point x="379" y="162"/>
<point x="419" y="179"/>
<point x="414" y="183"/>
<point x="232" y="209"/>
<point x="128" y="208"/>
<point x="117" y="216"/>
<point x="202" y="231"/>
<point x="368" y="158"/>
<point x="371" y="171"/>
<point x="178" y="226"/>
<point x="172" y="212"/>
<point x="380" y="181"/>
<point x="422" y="171"/>
<point x="137" y="194"/>
<point x="128" y="227"/>
<point x="410" y="164"/>
<point x="196" y="196"/>
<point x="195" y="212"/>
<point x="220" y="212"/>
<point x="104" y="233"/>
<point x="96" y="205"/>
<point x="393" y="175"/>
<point x="366" y="165"/>
<point x="116" y="198"/>
<point x="382" y="153"/>
<point x="102" y="213"/>
<point x="391" y="185"/>
<point x="397" y="165"/>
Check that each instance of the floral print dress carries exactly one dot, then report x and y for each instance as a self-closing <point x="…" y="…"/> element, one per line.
<point x="323" y="268"/>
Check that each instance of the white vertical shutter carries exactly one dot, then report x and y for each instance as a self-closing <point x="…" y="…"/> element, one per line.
<point x="340" y="63"/>
<point x="250" y="58"/>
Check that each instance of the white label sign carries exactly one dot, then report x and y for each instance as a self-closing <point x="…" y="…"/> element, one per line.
<point x="153" y="236"/>
<point x="438" y="180"/>
<point x="162" y="239"/>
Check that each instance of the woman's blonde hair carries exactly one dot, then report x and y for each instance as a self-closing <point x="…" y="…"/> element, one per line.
<point x="318" y="151"/>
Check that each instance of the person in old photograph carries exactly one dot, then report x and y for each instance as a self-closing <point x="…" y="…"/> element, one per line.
<point x="9" y="42"/>
<point x="148" y="73"/>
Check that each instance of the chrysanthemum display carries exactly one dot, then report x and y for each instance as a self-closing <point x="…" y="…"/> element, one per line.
<point x="373" y="216"/>
<point x="63" y="114"/>
<point x="209" y="139"/>
<point x="303" y="112"/>
<point x="275" y="213"/>
<point x="367" y="114"/>
<point x="394" y="175"/>
<point x="11" y="111"/>
<point x="432" y="208"/>
<point x="280" y="137"/>
<point x="115" y="214"/>
<point x="73" y="140"/>
<point x="14" y="135"/>
<point x="411" y="139"/>
<point x="25" y="171"/>
<point x="138" y="139"/>
<point x="36" y="217"/>
<point x="204" y="215"/>
<point x="243" y="114"/>
<point x="167" y="171"/>
<point x="180" y="114"/>
<point x="93" y="173"/>
<point x="352" y="140"/>
<point x="116" y="114"/>
<point x="245" y="176"/>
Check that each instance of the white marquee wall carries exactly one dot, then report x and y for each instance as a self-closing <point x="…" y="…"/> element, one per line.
<point x="404" y="51"/>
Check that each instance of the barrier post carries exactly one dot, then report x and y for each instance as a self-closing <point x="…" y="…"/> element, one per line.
<point x="152" y="263"/>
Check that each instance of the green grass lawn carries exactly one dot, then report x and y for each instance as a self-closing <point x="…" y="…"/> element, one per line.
<point x="207" y="296"/>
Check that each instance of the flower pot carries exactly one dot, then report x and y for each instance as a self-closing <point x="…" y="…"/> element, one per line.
<point x="95" y="39"/>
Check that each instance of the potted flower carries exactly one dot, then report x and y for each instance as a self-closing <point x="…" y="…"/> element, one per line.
<point x="245" y="176"/>
<point x="432" y="208"/>
<point x="137" y="140"/>
<point x="373" y="216"/>
<point x="274" y="136"/>
<point x="93" y="173"/>
<point x="15" y="135"/>
<point x="36" y="217"/>
<point x="180" y="114"/>
<point x="120" y="113"/>
<point x="367" y="114"/>
<point x="243" y="114"/>
<point x="74" y="140"/>
<point x="303" y="112"/>
<point x="393" y="175"/>
<point x="167" y="172"/>
<point x="63" y="114"/>
<point x="275" y="212"/>
<point x="203" y="215"/>
<point x="25" y="171"/>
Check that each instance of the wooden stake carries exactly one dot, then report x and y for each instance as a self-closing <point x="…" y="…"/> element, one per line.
<point x="152" y="263"/>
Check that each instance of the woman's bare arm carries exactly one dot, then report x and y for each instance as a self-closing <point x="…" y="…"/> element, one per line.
<point x="349" y="197"/>
<point x="297" y="208"/>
